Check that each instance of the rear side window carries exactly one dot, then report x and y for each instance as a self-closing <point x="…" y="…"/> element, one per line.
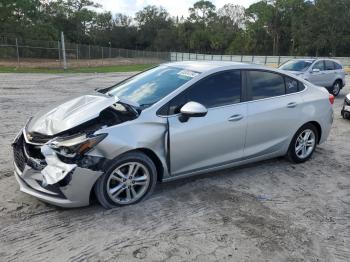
<point x="329" y="65"/>
<point x="219" y="89"/>
<point x="319" y="65"/>
<point x="265" y="84"/>
<point x="337" y="66"/>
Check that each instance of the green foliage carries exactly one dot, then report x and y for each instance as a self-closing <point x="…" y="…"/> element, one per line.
<point x="279" y="27"/>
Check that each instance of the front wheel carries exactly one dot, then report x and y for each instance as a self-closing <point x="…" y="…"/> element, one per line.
<point x="130" y="179"/>
<point x="303" y="144"/>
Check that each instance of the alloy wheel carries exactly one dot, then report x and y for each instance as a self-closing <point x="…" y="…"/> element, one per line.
<point x="336" y="88"/>
<point x="305" y="144"/>
<point x="128" y="183"/>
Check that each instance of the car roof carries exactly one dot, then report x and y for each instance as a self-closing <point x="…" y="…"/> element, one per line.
<point x="204" y="66"/>
<point x="304" y="59"/>
<point x="315" y="59"/>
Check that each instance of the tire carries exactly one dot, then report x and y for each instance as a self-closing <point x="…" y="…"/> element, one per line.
<point x="296" y="156"/>
<point x="343" y="114"/>
<point x="130" y="179"/>
<point x="336" y="88"/>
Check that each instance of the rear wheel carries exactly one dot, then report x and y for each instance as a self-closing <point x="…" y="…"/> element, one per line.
<point x="303" y="144"/>
<point x="336" y="88"/>
<point x="130" y="179"/>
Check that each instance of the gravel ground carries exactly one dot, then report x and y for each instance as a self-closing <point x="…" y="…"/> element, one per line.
<point x="269" y="211"/>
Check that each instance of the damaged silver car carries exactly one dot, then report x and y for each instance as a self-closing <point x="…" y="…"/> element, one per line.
<point x="172" y="121"/>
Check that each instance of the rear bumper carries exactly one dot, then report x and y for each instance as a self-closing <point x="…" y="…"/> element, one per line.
<point x="75" y="194"/>
<point x="326" y="125"/>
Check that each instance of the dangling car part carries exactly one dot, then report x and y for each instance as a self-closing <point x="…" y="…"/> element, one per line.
<point x="172" y="121"/>
<point x="345" y="111"/>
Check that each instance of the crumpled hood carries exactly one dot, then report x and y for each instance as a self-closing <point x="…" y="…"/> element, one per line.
<point x="70" y="114"/>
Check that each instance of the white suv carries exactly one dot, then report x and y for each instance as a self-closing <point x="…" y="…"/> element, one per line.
<point x="328" y="73"/>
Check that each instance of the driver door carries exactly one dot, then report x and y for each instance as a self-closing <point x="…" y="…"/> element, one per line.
<point x="218" y="137"/>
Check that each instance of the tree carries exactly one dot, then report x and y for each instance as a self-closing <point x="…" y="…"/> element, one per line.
<point x="233" y="15"/>
<point x="202" y="12"/>
<point x="150" y="20"/>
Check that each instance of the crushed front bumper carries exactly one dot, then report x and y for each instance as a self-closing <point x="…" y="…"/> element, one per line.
<point x="72" y="191"/>
<point x="75" y="194"/>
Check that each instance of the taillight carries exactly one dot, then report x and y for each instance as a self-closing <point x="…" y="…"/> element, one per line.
<point x="331" y="99"/>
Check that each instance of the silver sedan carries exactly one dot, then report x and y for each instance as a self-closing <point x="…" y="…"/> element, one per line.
<point x="172" y="121"/>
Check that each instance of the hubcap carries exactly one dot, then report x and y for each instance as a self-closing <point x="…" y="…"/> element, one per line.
<point x="336" y="88"/>
<point x="128" y="183"/>
<point x="305" y="143"/>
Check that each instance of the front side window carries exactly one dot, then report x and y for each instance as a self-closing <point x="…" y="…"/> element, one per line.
<point x="329" y="65"/>
<point x="265" y="84"/>
<point x="219" y="89"/>
<point x="151" y="86"/>
<point x="319" y="65"/>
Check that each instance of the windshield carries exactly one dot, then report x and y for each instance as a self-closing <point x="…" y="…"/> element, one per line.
<point x="151" y="86"/>
<point x="297" y="65"/>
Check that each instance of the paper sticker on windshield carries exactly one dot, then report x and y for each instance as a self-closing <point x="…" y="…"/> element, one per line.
<point x="187" y="73"/>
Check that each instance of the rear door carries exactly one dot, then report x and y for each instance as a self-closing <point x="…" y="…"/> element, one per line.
<point x="215" y="139"/>
<point x="273" y="112"/>
<point x="318" y="78"/>
<point x="331" y="73"/>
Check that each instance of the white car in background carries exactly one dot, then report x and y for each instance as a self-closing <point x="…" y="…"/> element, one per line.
<point x="328" y="73"/>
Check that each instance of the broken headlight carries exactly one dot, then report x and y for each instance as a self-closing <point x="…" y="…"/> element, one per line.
<point x="75" y="145"/>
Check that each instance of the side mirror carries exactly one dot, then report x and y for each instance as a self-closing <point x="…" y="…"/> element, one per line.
<point x="315" y="70"/>
<point x="192" y="109"/>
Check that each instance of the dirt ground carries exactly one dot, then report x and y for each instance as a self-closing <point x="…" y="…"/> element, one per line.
<point x="269" y="211"/>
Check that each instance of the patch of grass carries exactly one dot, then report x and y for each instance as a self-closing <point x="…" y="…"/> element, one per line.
<point x="101" y="69"/>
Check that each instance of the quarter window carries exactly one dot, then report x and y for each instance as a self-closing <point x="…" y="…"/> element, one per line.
<point x="217" y="90"/>
<point x="291" y="85"/>
<point x="265" y="84"/>
<point x="319" y="65"/>
<point x="301" y="86"/>
<point x="337" y="66"/>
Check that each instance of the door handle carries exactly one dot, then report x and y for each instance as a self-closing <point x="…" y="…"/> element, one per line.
<point x="292" y="105"/>
<point x="235" y="118"/>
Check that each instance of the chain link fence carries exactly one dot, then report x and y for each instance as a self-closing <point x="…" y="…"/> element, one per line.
<point x="15" y="52"/>
<point x="49" y="54"/>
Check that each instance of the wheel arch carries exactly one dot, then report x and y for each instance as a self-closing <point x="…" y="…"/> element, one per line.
<point x="148" y="152"/>
<point x="156" y="160"/>
<point x="339" y="80"/>
<point x="319" y="129"/>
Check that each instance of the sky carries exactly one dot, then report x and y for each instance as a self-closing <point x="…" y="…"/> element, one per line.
<point x="174" y="7"/>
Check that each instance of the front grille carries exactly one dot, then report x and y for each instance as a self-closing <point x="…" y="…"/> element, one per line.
<point x="19" y="155"/>
<point x="33" y="151"/>
<point x="24" y="153"/>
